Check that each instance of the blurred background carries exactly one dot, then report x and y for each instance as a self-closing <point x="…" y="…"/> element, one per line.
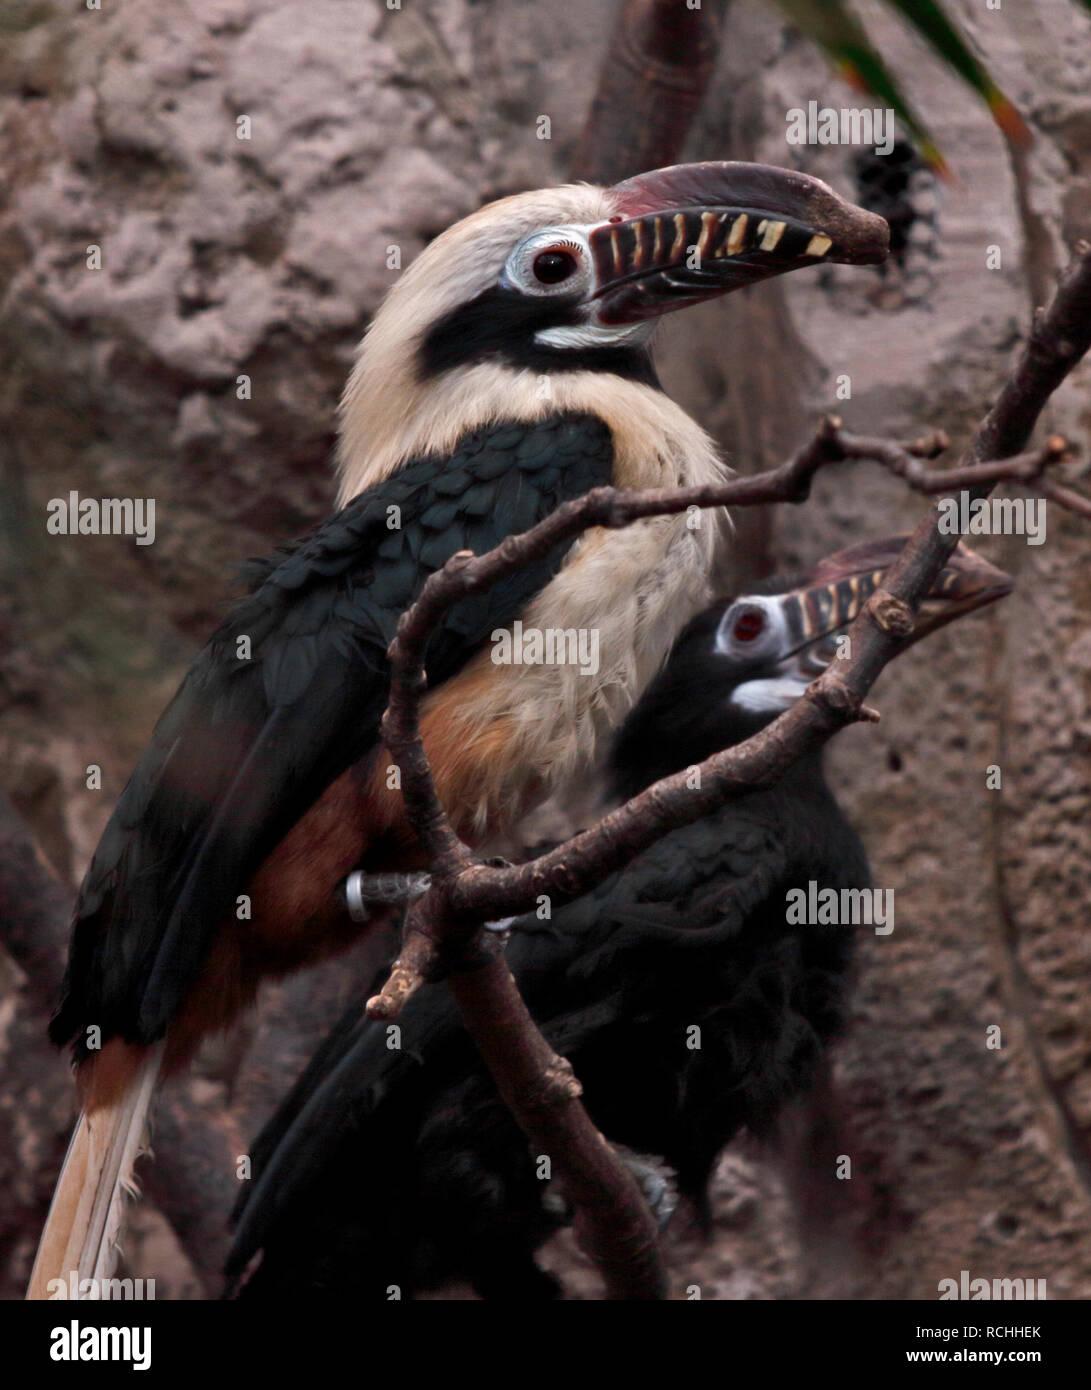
<point x="264" y="258"/>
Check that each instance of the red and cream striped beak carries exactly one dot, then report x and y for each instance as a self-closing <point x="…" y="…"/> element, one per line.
<point x="693" y="231"/>
<point x="834" y="592"/>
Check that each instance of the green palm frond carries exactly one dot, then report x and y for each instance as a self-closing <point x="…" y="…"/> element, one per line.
<point x="930" y="21"/>
<point x="844" y="40"/>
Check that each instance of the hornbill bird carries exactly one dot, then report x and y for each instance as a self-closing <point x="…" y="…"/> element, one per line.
<point x="689" y="1001"/>
<point x="507" y="370"/>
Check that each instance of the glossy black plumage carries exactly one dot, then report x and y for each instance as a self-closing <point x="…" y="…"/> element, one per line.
<point x="247" y="745"/>
<point x="401" y="1167"/>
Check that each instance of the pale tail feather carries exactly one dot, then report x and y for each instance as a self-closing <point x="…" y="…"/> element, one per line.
<point x="84" y="1222"/>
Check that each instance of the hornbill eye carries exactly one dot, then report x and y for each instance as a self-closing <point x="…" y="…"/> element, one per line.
<point x="749" y="625"/>
<point x="551" y="267"/>
<point x="748" y="629"/>
<point x="551" y="261"/>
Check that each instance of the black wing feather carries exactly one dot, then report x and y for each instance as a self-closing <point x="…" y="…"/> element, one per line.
<point x="246" y="745"/>
<point x="693" y="931"/>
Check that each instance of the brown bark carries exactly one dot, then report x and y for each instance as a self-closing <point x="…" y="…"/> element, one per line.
<point x="658" y="65"/>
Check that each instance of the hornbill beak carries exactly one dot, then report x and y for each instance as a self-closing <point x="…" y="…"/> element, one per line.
<point x="838" y="587"/>
<point x="692" y="231"/>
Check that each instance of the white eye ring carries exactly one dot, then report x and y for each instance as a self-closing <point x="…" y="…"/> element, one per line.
<point x="727" y="644"/>
<point x="520" y="269"/>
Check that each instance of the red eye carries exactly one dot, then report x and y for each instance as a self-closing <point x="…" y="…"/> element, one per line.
<point x="551" y="267"/>
<point x="749" y="624"/>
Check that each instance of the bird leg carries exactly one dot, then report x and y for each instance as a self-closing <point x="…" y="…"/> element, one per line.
<point x="361" y="888"/>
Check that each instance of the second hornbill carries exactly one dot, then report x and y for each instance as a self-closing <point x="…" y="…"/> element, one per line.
<point x="393" y="1164"/>
<point x="507" y="371"/>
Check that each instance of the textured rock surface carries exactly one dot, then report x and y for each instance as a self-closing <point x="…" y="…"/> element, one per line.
<point x="263" y="258"/>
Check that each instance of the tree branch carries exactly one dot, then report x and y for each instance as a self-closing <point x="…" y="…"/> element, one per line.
<point x="612" y="1221"/>
<point x="612" y="1225"/>
<point x="658" y="64"/>
<point x="444" y="931"/>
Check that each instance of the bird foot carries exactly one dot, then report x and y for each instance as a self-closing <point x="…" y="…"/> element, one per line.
<point x="501" y="923"/>
<point x="654" y="1178"/>
<point x="656" y="1182"/>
